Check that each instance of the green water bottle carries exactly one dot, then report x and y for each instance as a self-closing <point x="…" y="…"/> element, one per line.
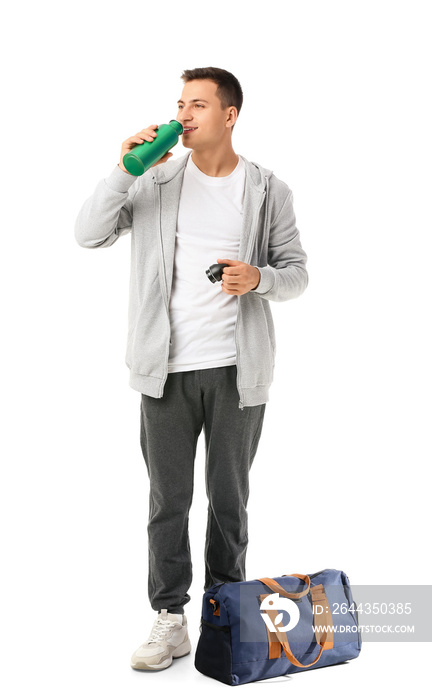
<point x="146" y="154"/>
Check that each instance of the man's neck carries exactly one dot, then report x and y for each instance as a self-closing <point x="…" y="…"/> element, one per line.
<point x="218" y="162"/>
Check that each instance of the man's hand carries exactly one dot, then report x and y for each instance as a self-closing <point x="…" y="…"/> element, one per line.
<point x="238" y="277"/>
<point x="148" y="134"/>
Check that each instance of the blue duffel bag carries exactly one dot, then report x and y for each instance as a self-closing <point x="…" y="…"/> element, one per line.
<point x="251" y="630"/>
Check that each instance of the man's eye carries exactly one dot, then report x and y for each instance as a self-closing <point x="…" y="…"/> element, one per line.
<point x="179" y="106"/>
<point x="200" y="105"/>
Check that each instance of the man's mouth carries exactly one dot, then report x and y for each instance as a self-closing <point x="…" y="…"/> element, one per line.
<point x="189" y="129"/>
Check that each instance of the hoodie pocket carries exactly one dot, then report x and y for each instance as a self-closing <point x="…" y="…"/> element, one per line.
<point x="269" y="322"/>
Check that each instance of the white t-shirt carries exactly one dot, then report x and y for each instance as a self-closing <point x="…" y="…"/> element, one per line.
<point x="209" y="225"/>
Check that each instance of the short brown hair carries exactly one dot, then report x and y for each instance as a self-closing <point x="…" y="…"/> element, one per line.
<point x="229" y="89"/>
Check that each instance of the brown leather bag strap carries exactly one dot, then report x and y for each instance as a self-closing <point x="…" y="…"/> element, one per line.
<point x="282" y="638"/>
<point x="322" y="615"/>
<point x="322" y="618"/>
<point x="278" y="589"/>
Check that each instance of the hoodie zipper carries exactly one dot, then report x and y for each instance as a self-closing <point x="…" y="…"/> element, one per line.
<point x="165" y="288"/>
<point x="163" y="278"/>
<point x="246" y="260"/>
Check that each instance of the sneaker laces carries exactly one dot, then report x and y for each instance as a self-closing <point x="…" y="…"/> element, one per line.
<point x="159" y="631"/>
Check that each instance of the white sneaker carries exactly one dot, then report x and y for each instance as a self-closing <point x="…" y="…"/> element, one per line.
<point x="168" y="639"/>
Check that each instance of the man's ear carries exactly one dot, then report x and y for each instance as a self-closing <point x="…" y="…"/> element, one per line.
<point x="232" y="116"/>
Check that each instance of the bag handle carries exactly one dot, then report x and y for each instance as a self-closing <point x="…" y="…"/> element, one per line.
<point x="322" y="619"/>
<point x="276" y="588"/>
<point x="283" y="640"/>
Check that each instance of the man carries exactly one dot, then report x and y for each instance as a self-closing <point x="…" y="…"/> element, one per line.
<point x="200" y="354"/>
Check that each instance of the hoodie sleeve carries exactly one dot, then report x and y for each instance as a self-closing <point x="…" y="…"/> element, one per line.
<point x="107" y="214"/>
<point x="285" y="276"/>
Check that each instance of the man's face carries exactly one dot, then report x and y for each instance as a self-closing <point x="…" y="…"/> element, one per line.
<point x="200" y="108"/>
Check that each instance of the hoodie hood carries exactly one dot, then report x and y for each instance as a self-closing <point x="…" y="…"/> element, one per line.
<point x="167" y="171"/>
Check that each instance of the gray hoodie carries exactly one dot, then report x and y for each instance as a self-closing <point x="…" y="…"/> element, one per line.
<point x="146" y="207"/>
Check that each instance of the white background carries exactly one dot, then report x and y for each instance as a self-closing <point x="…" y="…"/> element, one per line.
<point x="337" y="104"/>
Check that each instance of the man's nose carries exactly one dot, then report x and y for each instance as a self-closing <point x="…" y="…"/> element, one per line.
<point x="185" y="117"/>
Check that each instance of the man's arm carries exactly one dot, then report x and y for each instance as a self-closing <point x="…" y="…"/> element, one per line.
<point x="107" y="214"/>
<point x="285" y="276"/>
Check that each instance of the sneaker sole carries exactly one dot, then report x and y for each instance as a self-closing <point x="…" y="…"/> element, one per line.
<point x="182" y="650"/>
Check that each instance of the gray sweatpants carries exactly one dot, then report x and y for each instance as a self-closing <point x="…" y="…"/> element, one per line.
<point x="170" y="427"/>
